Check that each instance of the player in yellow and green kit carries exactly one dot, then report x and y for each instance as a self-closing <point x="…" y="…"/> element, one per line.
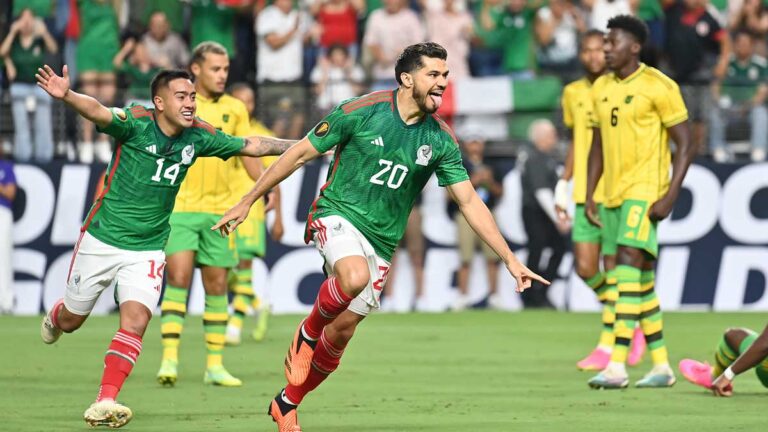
<point x="204" y="196"/>
<point x="588" y="240"/>
<point x="637" y="109"/>
<point x="251" y="238"/>
<point x="122" y="239"/>
<point x="387" y="144"/>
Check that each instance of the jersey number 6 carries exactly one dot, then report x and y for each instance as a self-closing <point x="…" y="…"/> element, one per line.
<point x="614" y="116"/>
<point x="396" y="174"/>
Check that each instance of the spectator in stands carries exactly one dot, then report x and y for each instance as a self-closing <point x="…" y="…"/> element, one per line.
<point x="213" y="21"/>
<point x="600" y="11"/>
<point x="414" y="243"/>
<point x="24" y="50"/>
<point x="140" y="70"/>
<point x="743" y="91"/>
<point x="336" y="77"/>
<point x="172" y="10"/>
<point x="652" y="14"/>
<point x="99" y="33"/>
<point x="452" y="27"/>
<point x="486" y="54"/>
<point x="542" y="226"/>
<point x="698" y="49"/>
<point x="557" y="29"/>
<point x="7" y="194"/>
<point x="488" y="185"/>
<point x="515" y="37"/>
<point x="337" y="21"/>
<point x="749" y="15"/>
<point x="281" y="31"/>
<point x="166" y="48"/>
<point x="389" y="30"/>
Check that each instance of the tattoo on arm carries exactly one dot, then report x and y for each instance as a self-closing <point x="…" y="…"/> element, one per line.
<point x="268" y="146"/>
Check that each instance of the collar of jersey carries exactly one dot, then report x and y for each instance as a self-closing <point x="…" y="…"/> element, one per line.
<point x="396" y="113"/>
<point x="204" y="99"/>
<point x="634" y="74"/>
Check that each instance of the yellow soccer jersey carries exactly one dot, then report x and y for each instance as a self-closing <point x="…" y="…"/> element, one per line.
<point x="577" y="110"/>
<point x="242" y="183"/>
<point x="206" y="188"/>
<point x="633" y="116"/>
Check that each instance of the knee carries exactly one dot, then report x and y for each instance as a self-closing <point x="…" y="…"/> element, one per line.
<point x="585" y="271"/>
<point x="354" y="280"/>
<point x="135" y="321"/>
<point x="630" y="256"/>
<point x="179" y="278"/>
<point x="340" y="333"/>
<point x="734" y="336"/>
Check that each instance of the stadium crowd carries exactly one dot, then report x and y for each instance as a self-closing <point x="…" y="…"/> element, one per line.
<point x="306" y="56"/>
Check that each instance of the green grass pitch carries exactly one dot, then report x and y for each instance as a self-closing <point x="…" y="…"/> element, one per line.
<point x="473" y="371"/>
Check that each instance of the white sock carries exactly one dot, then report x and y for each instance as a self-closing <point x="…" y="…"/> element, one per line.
<point x="616" y="368"/>
<point x="306" y="336"/>
<point x="285" y="399"/>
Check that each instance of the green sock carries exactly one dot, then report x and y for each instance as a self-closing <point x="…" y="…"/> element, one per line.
<point x="215" y="319"/>
<point x="174" y="311"/>
<point x="627" y="310"/>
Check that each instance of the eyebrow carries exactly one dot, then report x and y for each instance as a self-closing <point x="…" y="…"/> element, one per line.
<point x="183" y="93"/>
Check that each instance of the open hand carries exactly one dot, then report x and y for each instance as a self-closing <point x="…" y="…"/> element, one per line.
<point x="590" y="209"/>
<point x="54" y="85"/>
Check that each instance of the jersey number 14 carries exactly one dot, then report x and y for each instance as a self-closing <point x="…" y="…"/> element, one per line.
<point x="170" y="173"/>
<point x="397" y="174"/>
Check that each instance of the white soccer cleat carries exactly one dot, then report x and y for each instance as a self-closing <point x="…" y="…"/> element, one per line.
<point x="48" y="331"/>
<point x="233" y="336"/>
<point x="107" y="413"/>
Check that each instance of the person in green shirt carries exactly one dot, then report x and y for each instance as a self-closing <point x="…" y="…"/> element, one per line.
<point x="485" y="56"/>
<point x="139" y="69"/>
<point x="41" y="8"/>
<point x="98" y="44"/>
<point x="122" y="239"/>
<point x="514" y="35"/>
<point x="24" y="50"/>
<point x="742" y="92"/>
<point x="213" y="22"/>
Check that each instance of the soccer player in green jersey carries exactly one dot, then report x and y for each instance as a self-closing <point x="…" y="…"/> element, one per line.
<point x="123" y="237"/>
<point x="387" y="146"/>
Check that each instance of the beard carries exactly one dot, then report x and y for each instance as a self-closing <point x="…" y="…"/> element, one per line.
<point x="421" y="101"/>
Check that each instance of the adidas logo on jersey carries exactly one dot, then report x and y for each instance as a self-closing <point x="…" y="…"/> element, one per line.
<point x="378" y="142"/>
<point x="151" y="149"/>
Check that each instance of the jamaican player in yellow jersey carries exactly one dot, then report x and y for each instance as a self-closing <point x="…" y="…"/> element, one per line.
<point x="204" y="196"/>
<point x="251" y="238"/>
<point x="636" y="109"/>
<point x="588" y="240"/>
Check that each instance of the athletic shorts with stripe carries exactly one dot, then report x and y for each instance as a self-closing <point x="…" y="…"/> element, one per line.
<point x="95" y="266"/>
<point x="337" y="238"/>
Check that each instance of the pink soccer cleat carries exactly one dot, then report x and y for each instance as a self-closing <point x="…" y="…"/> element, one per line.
<point x="637" y="348"/>
<point x="696" y="372"/>
<point x="597" y="360"/>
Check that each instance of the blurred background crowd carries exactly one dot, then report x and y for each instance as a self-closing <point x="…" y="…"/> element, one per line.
<point x="509" y="60"/>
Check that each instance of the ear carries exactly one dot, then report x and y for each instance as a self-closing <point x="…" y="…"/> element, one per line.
<point x="158" y="101"/>
<point x="195" y="69"/>
<point x="636" y="48"/>
<point x="407" y="79"/>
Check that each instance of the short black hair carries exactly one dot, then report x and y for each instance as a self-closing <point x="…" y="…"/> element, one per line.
<point x="338" y="47"/>
<point x="410" y="59"/>
<point x="592" y="33"/>
<point x="166" y="76"/>
<point x="631" y="25"/>
<point x="744" y="32"/>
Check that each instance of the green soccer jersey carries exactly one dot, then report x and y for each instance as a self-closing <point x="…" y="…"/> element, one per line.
<point x="144" y="176"/>
<point x="380" y="166"/>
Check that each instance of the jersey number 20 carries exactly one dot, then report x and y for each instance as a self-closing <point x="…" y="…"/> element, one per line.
<point x="397" y="174"/>
<point x="170" y="173"/>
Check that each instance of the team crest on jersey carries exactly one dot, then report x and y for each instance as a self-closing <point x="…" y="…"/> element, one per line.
<point x="322" y="129"/>
<point x="188" y="154"/>
<point x="225" y="118"/>
<point x="628" y="99"/>
<point x="423" y="155"/>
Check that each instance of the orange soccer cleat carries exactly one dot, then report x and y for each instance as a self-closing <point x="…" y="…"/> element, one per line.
<point x="284" y="414"/>
<point x="299" y="358"/>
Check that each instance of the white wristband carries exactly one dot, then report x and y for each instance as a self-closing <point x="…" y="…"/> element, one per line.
<point x="561" y="194"/>
<point x="728" y="374"/>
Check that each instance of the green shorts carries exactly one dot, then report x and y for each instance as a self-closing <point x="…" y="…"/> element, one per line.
<point x="610" y="219"/>
<point x="583" y="231"/>
<point x="192" y="232"/>
<point x="761" y="370"/>
<point x="250" y="238"/>
<point x="634" y="229"/>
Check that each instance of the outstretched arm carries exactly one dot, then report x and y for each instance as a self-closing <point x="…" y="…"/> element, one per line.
<point x="58" y="87"/>
<point x="750" y="358"/>
<point x="480" y="219"/>
<point x="258" y="146"/>
<point x="294" y="158"/>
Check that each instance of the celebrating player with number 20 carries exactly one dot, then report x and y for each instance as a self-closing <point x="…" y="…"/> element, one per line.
<point x="123" y="237"/>
<point x="387" y="145"/>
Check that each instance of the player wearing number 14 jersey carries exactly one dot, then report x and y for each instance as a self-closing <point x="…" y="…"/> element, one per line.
<point x="387" y="145"/>
<point x="123" y="237"/>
